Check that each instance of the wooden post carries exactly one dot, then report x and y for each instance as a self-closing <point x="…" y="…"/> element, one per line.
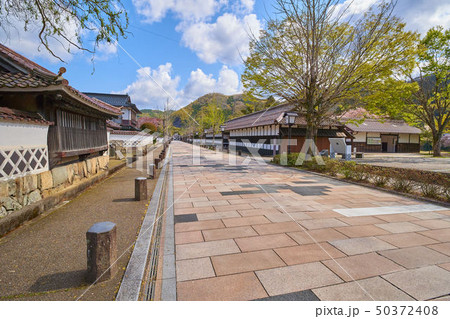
<point x="140" y="188"/>
<point x="152" y="171"/>
<point x="101" y="252"/>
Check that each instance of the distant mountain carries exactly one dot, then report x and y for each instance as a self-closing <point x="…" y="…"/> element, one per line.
<point x="151" y="113"/>
<point x="232" y="106"/>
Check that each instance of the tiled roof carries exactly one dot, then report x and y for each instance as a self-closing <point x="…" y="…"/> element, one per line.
<point x="117" y="100"/>
<point x="386" y="126"/>
<point x="24" y="62"/>
<point x="265" y="117"/>
<point x="11" y="115"/>
<point x="273" y="115"/>
<point x="19" y="79"/>
<point x="119" y="132"/>
<point x="112" y="124"/>
<point x="34" y="76"/>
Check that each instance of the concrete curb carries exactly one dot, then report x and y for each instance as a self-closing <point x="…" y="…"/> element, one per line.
<point x="169" y="280"/>
<point x="14" y="220"/>
<point x="130" y="288"/>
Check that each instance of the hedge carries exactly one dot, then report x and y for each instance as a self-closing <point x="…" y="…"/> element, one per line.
<point x="423" y="183"/>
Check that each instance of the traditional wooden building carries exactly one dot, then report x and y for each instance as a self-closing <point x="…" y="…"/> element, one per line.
<point x="76" y="123"/>
<point x="376" y="134"/>
<point x="128" y="118"/>
<point x="267" y="131"/>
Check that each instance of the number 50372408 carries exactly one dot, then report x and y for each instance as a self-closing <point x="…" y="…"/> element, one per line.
<point x="406" y="310"/>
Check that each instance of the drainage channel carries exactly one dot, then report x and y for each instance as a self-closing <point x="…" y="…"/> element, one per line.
<point x="149" y="283"/>
<point x="139" y="280"/>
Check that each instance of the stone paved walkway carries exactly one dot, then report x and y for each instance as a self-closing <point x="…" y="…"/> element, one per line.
<point x="45" y="259"/>
<point x="264" y="232"/>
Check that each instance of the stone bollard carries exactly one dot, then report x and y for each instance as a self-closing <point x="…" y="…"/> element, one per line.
<point x="157" y="160"/>
<point x="152" y="171"/>
<point x="101" y="252"/>
<point x="140" y="188"/>
<point x="239" y="153"/>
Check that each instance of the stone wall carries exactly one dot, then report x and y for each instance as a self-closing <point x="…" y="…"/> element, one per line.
<point x="23" y="191"/>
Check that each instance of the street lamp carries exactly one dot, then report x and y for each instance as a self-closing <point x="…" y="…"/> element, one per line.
<point x="289" y="118"/>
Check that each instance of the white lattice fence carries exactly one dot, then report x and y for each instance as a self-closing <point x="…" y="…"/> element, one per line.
<point x="23" y="161"/>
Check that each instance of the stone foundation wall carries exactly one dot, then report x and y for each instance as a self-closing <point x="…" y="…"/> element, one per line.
<point x="23" y="191"/>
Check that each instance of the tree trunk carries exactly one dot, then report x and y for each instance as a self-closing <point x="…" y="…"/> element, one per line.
<point x="436" y="144"/>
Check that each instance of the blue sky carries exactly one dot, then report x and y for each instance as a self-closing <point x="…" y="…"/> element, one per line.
<point x="190" y="47"/>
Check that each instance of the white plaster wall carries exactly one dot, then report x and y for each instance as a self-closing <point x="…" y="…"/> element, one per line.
<point x="403" y="138"/>
<point x="360" y="137"/>
<point x="126" y="114"/>
<point x="414" y="138"/>
<point x="13" y="135"/>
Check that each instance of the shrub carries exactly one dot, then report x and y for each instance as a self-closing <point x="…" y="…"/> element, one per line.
<point x="348" y="169"/>
<point x="430" y="190"/>
<point x="402" y="184"/>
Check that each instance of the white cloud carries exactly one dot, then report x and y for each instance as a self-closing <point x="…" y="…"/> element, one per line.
<point x="419" y="15"/>
<point x="28" y="44"/>
<point x="156" y="10"/>
<point x="225" y="40"/>
<point x="244" y="6"/>
<point x="105" y="50"/>
<point x="199" y="83"/>
<point x="153" y="87"/>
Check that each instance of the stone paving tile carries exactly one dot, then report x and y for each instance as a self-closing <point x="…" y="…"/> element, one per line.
<point x="308" y="253"/>
<point x="200" y="225"/>
<point x="304" y="295"/>
<point x="278" y="217"/>
<point x="427" y="215"/>
<point x="244" y="262"/>
<point x="244" y="221"/>
<point x="362" y="266"/>
<point x="296" y="278"/>
<point x="188" y="237"/>
<point x="362" y="245"/>
<point x="211" y="203"/>
<point x="371" y="289"/>
<point x="227" y="233"/>
<point x="194" y="210"/>
<point x="433" y="223"/>
<point x="443" y="248"/>
<point x="393" y="218"/>
<point x="422" y="283"/>
<point x="220" y="215"/>
<point x="361" y="231"/>
<point x="414" y="257"/>
<point x="233" y="287"/>
<point x="276" y="228"/>
<point x="205" y="249"/>
<point x="361" y="220"/>
<point x="442" y="235"/>
<point x="445" y="266"/>
<point x="264" y="242"/>
<point x="322" y="223"/>
<point x="317" y="235"/>
<point x="404" y="240"/>
<point x="258" y="211"/>
<point x="179" y="205"/>
<point x="401" y="227"/>
<point x="232" y="207"/>
<point x="192" y="269"/>
<point x="323" y="214"/>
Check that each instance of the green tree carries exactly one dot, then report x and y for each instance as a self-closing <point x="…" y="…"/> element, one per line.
<point x="149" y="126"/>
<point x="428" y="106"/>
<point x="318" y="57"/>
<point x="212" y="117"/>
<point x="106" y="19"/>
